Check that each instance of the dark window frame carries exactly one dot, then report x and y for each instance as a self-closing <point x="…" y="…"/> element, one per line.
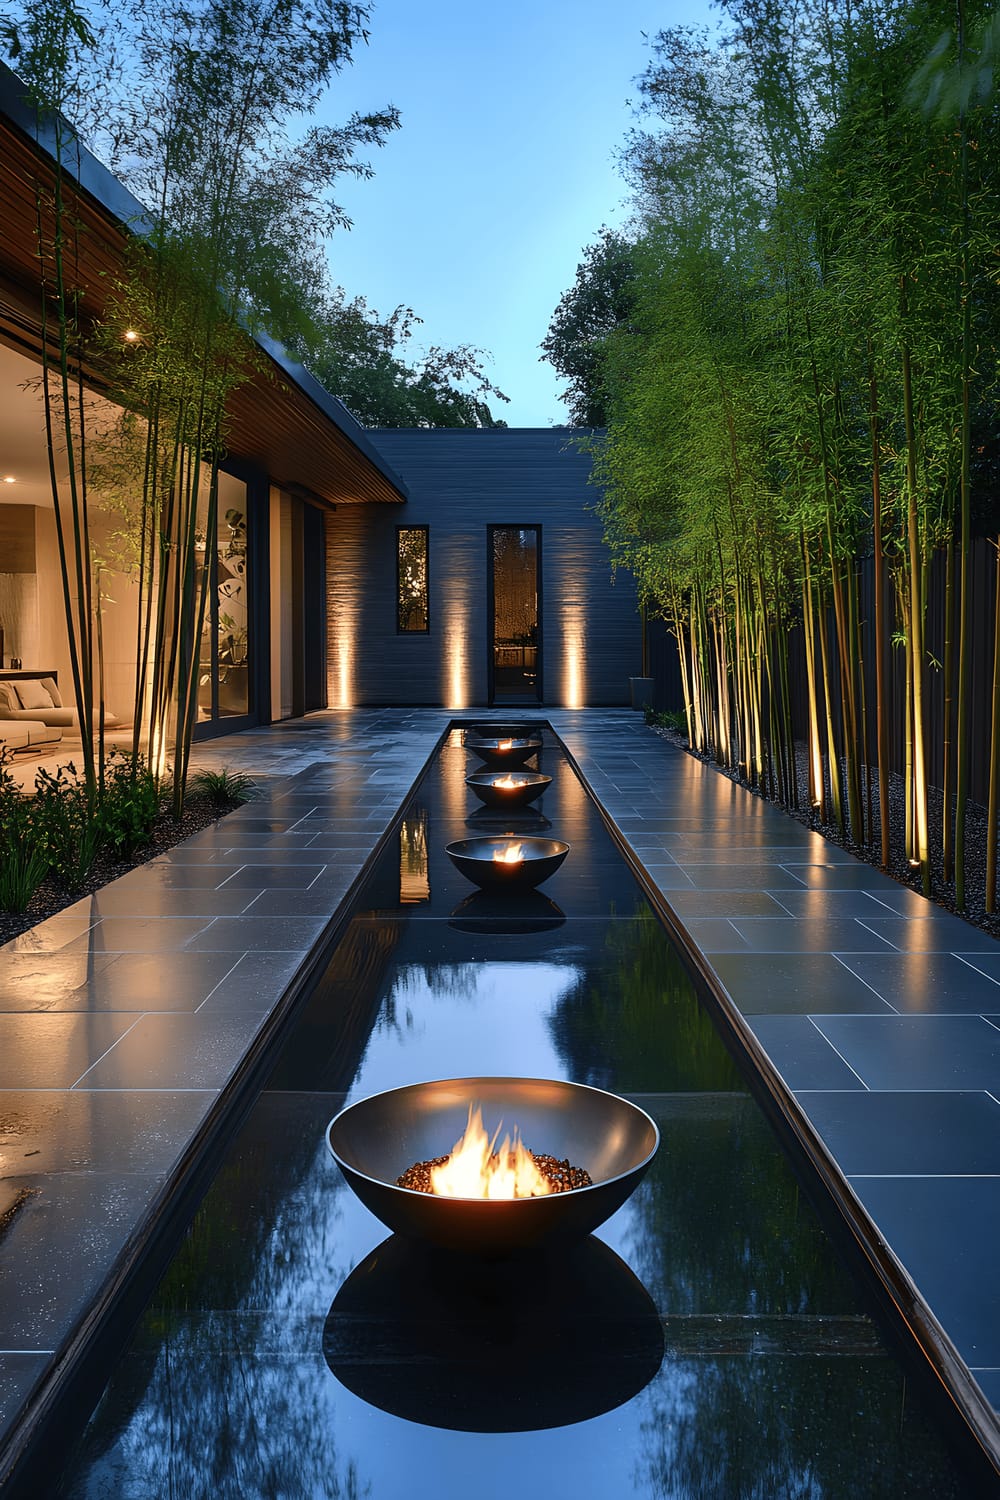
<point x="402" y="629"/>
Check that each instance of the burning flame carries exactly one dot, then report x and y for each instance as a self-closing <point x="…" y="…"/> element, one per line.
<point x="512" y="855"/>
<point x="475" y="1170"/>
<point x="505" y="744"/>
<point x="507" y="783"/>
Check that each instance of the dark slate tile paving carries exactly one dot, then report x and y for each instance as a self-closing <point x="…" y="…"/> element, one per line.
<point x="941" y="933"/>
<point x="260" y="877"/>
<point x="186" y="875"/>
<point x="18" y="1376"/>
<point x="143" y="982"/>
<point x="171" y="1051"/>
<point x="879" y="1134"/>
<point x="843" y="874"/>
<point x="294" y="903"/>
<point x="265" y="934"/>
<point x="692" y="903"/>
<point x="254" y="984"/>
<point x="819" y="935"/>
<point x="139" y="934"/>
<point x="927" y="983"/>
<point x="45" y="981"/>
<point x="814" y="904"/>
<point x="945" y="1230"/>
<point x="749" y="877"/>
<point x="76" y="1130"/>
<point x="54" y="935"/>
<point x="60" y="1248"/>
<point x="794" y="984"/>
<point x="715" y="935"/>
<point x="203" y="901"/>
<point x="50" y="1051"/>
<point x="985" y="963"/>
<point x="917" y="1052"/>
<point x="802" y="1055"/>
<point x="989" y="1384"/>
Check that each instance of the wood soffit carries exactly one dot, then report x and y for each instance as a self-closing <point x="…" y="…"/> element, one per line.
<point x="273" y="423"/>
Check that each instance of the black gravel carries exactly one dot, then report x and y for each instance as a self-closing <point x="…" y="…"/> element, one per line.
<point x="942" y="891"/>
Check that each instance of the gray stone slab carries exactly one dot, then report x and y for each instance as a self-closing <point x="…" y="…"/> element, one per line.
<point x="941" y="933"/>
<point x="171" y="1051"/>
<point x="45" y="981"/>
<point x="76" y="1130"/>
<point x="795" y="984"/>
<point x="908" y="1134"/>
<point x="808" y="935"/>
<point x="60" y="1248"/>
<point x="50" y="1051"/>
<point x="254" y="984"/>
<point x="139" y="935"/>
<point x="692" y="903"/>
<point x="927" y="983"/>
<point x="263" y="934"/>
<point x="274" y="876"/>
<point x="145" y="982"/>
<point x="918" y="1052"/>
<point x="19" y="1373"/>
<point x="802" y="1055"/>
<point x="946" y="1230"/>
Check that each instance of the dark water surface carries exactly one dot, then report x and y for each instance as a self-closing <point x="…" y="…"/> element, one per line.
<point x="708" y="1345"/>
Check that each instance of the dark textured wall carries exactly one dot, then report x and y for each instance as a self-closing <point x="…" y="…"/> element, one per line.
<point x="460" y="482"/>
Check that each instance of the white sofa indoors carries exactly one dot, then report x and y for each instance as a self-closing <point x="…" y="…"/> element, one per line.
<point x="36" y="699"/>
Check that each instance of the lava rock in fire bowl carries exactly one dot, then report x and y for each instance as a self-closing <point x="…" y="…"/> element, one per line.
<point x="528" y="786"/>
<point x="528" y="860"/>
<point x="502" y="753"/>
<point x="379" y="1138"/>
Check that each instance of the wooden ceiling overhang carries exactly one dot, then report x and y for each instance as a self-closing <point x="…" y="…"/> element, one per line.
<point x="280" y="419"/>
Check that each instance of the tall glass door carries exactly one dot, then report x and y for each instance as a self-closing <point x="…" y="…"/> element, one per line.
<point x="515" y="615"/>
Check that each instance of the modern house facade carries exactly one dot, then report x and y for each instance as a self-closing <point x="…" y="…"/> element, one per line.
<point x="449" y="568"/>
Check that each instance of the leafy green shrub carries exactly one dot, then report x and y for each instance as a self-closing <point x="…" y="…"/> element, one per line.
<point x="670" y="718"/>
<point x="129" y="804"/>
<point x="224" y="789"/>
<point x="64" y="825"/>
<point x="24" y="861"/>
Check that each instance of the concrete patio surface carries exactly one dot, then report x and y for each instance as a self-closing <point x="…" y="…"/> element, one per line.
<point x="124" y="1019"/>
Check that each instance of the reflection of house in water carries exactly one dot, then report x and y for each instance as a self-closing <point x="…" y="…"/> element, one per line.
<point x="450" y="568"/>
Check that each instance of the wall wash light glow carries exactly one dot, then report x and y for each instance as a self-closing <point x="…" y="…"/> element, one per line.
<point x="456" y="650"/>
<point x="573" y="622"/>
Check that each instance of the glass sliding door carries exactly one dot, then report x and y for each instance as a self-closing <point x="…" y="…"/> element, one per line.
<point x="515" y="614"/>
<point x="224" y="659"/>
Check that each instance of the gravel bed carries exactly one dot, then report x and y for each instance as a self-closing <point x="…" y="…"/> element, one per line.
<point x="942" y="892"/>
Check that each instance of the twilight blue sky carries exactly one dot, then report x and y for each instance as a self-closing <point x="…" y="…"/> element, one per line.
<point x="502" y="171"/>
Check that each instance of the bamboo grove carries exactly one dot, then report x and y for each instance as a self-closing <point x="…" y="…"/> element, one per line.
<point x="200" y="110"/>
<point x="801" y="396"/>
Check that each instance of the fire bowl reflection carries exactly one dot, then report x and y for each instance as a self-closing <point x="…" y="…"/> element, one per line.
<point x="477" y="860"/>
<point x="521" y="912"/>
<point x="376" y="1140"/>
<point x="496" y="1352"/>
<point x="504" y="753"/>
<point x="529" y="785"/>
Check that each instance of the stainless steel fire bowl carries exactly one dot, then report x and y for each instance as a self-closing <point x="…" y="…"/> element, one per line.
<point x="540" y="858"/>
<point x="376" y="1140"/>
<point x="484" y="784"/>
<point x="517" y="751"/>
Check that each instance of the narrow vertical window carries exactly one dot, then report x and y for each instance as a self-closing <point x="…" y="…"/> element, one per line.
<point x="412" y="610"/>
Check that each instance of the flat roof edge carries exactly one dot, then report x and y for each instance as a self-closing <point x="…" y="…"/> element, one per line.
<point x="114" y="197"/>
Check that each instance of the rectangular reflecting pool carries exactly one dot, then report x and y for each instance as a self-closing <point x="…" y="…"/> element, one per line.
<point x="707" y="1344"/>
